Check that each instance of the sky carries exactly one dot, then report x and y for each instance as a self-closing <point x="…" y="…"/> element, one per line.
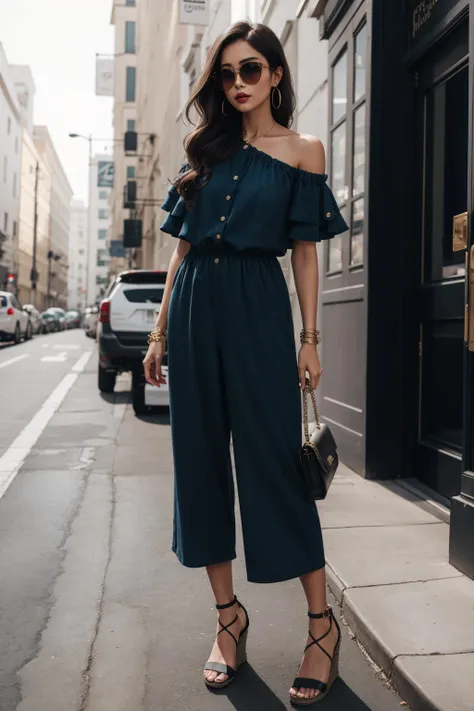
<point x="59" y="40"/>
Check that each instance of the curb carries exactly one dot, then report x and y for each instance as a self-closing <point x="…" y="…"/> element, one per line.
<point x="403" y="683"/>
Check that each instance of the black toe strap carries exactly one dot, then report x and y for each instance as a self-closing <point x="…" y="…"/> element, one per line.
<point x="221" y="668"/>
<point x="302" y="682"/>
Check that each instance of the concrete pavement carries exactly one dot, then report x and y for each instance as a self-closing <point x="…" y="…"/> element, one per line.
<point x="387" y="553"/>
<point x="95" y="611"/>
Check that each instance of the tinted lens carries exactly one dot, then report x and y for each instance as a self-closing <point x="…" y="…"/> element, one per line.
<point x="227" y="79"/>
<point x="251" y="72"/>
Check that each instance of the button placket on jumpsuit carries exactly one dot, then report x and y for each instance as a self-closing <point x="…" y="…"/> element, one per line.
<point x="233" y="368"/>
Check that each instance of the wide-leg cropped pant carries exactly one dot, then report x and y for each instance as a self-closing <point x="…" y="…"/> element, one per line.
<point x="233" y="369"/>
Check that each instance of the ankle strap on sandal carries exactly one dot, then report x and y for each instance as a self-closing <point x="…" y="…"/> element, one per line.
<point x="228" y="604"/>
<point x="319" y="616"/>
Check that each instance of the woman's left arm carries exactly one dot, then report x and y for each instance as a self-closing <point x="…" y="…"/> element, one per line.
<point x="304" y="260"/>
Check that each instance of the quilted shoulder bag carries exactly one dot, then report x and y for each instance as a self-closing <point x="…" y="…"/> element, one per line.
<point x="318" y="454"/>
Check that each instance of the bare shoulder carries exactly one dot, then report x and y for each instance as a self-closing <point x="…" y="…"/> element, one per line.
<point x="311" y="154"/>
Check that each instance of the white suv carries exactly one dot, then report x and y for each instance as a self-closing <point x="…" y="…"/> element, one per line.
<point x="14" y="321"/>
<point x="127" y="315"/>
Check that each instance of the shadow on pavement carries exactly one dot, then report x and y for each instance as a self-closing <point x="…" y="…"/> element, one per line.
<point x="156" y="416"/>
<point x="250" y="693"/>
<point x="116" y="398"/>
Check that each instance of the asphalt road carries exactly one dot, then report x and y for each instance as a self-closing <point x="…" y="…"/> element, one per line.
<point x="95" y="612"/>
<point x="29" y="372"/>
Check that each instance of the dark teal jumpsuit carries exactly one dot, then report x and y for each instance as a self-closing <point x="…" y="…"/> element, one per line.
<point x="233" y="366"/>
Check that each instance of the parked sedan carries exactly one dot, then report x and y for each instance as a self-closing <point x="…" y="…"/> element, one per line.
<point x="91" y="317"/>
<point x="73" y="318"/>
<point x="14" y="321"/>
<point x="35" y="317"/>
<point x="49" y="322"/>
<point x="60" y="315"/>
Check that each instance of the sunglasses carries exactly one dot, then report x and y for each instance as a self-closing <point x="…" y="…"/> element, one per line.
<point x="249" y="72"/>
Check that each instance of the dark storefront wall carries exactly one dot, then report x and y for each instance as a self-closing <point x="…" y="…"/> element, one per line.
<point x="399" y="387"/>
<point x="344" y="284"/>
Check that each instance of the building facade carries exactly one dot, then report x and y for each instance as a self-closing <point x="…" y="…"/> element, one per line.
<point x="35" y="196"/>
<point x="100" y="216"/>
<point x="77" y="274"/>
<point x="61" y="195"/>
<point x="10" y="166"/>
<point x="124" y="19"/>
<point x="398" y="290"/>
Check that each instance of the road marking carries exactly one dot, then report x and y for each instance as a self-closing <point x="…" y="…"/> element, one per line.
<point x="14" y="360"/>
<point x="13" y="459"/>
<point x="60" y="358"/>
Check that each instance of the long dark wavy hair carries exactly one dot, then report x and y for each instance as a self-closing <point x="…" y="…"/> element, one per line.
<point x="216" y="136"/>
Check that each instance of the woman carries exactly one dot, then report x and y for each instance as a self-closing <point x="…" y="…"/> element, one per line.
<point x="252" y="188"/>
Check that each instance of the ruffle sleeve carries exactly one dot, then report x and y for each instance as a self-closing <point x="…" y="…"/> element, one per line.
<point x="175" y="206"/>
<point x="314" y="214"/>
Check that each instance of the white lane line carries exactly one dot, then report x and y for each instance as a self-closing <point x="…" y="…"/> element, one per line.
<point x="14" y="360"/>
<point x="13" y="459"/>
<point x="59" y="358"/>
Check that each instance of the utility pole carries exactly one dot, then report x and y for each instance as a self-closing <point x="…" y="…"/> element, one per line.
<point x="34" y="273"/>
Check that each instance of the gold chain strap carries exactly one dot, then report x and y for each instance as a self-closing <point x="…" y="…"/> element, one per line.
<point x="305" y="410"/>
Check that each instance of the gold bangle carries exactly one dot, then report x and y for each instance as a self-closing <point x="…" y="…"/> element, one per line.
<point x="310" y="336"/>
<point x="157" y="336"/>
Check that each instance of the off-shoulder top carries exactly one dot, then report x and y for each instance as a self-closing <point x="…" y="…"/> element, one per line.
<point x="255" y="201"/>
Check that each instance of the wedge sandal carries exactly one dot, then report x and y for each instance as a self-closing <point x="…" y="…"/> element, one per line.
<point x="241" y="643"/>
<point x="308" y="683"/>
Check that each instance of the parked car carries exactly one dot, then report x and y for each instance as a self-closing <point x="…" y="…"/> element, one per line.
<point x="89" y="324"/>
<point x="73" y="318"/>
<point x="14" y="321"/>
<point x="127" y="315"/>
<point x="49" y="322"/>
<point x="60" y="315"/>
<point x="35" y="317"/>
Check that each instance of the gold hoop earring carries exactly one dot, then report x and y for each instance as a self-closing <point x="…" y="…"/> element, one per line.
<point x="276" y="89"/>
<point x="222" y="109"/>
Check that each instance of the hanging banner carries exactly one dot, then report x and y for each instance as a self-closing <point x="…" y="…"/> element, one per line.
<point x="194" y="12"/>
<point x="104" y="77"/>
<point x="105" y="174"/>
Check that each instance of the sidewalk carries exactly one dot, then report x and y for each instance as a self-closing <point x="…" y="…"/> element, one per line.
<point x="387" y="556"/>
<point x="119" y="624"/>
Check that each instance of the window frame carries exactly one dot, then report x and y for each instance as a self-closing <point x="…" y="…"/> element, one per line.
<point x="346" y="42"/>
<point x="130" y="38"/>
<point x="130" y="88"/>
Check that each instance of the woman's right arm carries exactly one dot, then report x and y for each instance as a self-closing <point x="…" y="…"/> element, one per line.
<point x="156" y="350"/>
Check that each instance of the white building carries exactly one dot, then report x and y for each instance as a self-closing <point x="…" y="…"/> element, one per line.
<point x="124" y="19"/>
<point x="100" y="177"/>
<point x="77" y="274"/>
<point x="10" y="168"/>
<point x="61" y="195"/>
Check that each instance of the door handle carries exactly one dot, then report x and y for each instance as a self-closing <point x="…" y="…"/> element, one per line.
<point x="469" y="309"/>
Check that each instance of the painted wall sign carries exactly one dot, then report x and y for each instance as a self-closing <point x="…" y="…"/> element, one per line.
<point x="424" y="15"/>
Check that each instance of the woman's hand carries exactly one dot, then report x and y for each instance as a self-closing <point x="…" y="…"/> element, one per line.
<point x="152" y="363"/>
<point x="308" y="361"/>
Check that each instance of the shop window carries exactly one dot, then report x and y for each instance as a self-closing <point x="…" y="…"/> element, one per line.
<point x="339" y="88"/>
<point x="348" y="145"/>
